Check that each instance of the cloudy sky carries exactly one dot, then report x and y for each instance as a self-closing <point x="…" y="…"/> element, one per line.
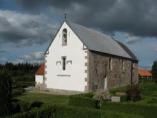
<point x="28" y="26"/>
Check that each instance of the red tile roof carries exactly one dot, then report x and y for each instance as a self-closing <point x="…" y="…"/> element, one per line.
<point x="40" y="70"/>
<point x="144" y="73"/>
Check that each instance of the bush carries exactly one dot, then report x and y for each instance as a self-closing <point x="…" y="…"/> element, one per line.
<point x="123" y="98"/>
<point x="25" y="106"/>
<point x="18" y="91"/>
<point x="15" y="106"/>
<point x="36" y="104"/>
<point x="133" y="93"/>
<point x="102" y="96"/>
<point x="82" y="101"/>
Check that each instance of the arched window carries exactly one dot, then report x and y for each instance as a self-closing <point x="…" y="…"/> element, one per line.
<point x="64" y="37"/>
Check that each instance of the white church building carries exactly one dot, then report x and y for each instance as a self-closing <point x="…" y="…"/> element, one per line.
<point x="82" y="59"/>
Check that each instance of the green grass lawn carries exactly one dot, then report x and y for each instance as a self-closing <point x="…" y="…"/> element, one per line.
<point x="147" y="107"/>
<point x="48" y="99"/>
<point x="63" y="110"/>
<point x="148" y="92"/>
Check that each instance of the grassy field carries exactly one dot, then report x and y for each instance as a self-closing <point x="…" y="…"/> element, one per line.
<point x="47" y="99"/>
<point x="147" y="107"/>
<point x="149" y="93"/>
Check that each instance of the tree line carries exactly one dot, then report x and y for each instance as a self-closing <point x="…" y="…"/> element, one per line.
<point x="154" y="71"/>
<point x="13" y="79"/>
<point x="22" y="74"/>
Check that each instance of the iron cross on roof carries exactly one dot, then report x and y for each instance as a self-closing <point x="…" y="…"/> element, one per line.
<point x="65" y="16"/>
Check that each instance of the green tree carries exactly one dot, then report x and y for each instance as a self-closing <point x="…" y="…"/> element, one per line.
<point x="5" y="93"/>
<point x="154" y="71"/>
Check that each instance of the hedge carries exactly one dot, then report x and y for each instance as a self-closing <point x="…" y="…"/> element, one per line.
<point x="88" y="95"/>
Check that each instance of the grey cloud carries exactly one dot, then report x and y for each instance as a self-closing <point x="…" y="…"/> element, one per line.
<point x="33" y="57"/>
<point x="2" y="51"/>
<point x="19" y="28"/>
<point x="60" y="3"/>
<point x="137" y="17"/>
<point x="133" y="39"/>
<point x="3" y="60"/>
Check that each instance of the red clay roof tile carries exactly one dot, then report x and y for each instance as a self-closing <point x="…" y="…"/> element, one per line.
<point x="143" y="72"/>
<point x="40" y="70"/>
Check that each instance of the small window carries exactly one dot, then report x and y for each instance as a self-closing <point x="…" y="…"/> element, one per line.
<point x="63" y="62"/>
<point x="64" y="37"/>
<point x="110" y="64"/>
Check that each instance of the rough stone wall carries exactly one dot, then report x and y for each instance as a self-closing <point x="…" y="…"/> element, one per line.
<point x="135" y="73"/>
<point x="97" y="71"/>
<point x="117" y="75"/>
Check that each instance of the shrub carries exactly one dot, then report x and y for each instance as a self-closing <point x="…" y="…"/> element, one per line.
<point x="15" y="107"/>
<point x="123" y="98"/>
<point x="18" y="91"/>
<point x="102" y="96"/>
<point x="25" y="106"/>
<point x="36" y="104"/>
<point x="133" y="93"/>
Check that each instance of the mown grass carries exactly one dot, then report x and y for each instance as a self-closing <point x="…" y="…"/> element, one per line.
<point x="148" y="93"/>
<point x="147" y="107"/>
<point x="147" y="111"/>
<point x="64" y="111"/>
<point x="47" y="99"/>
<point x="79" y="112"/>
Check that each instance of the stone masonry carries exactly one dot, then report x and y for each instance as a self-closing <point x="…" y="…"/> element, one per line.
<point x="117" y="70"/>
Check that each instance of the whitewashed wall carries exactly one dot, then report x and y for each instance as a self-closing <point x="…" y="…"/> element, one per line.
<point x="39" y="79"/>
<point x="73" y="78"/>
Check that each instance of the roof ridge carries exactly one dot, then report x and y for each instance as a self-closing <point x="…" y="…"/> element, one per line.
<point x="91" y="29"/>
<point x="99" y="38"/>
